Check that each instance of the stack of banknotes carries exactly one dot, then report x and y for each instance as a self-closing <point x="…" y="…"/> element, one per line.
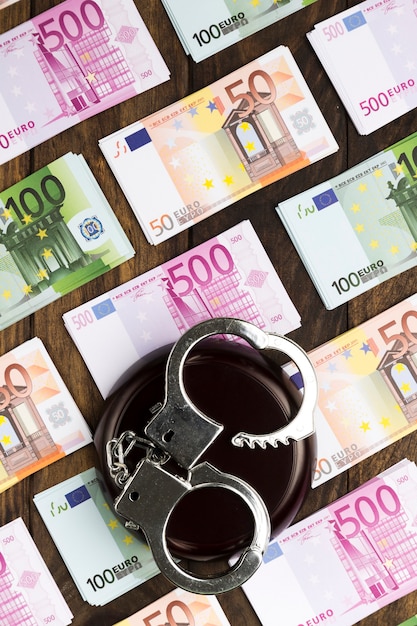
<point x="345" y="561"/>
<point x="104" y="559"/>
<point x="28" y="592"/>
<point x="217" y="24"/>
<point x="368" y="52"/>
<point x="367" y="381"/>
<point x="227" y="276"/>
<point x="70" y="63"/>
<point x="218" y="145"/>
<point x="57" y="232"/>
<point x="180" y="607"/>
<point x="359" y="228"/>
<point x="39" y="421"/>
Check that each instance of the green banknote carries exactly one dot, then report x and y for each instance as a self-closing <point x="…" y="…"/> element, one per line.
<point x="217" y="24"/>
<point x="57" y="232"/>
<point x="359" y="228"/>
<point x="104" y="558"/>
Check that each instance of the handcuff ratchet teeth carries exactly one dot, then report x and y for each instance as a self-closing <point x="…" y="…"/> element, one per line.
<point x="182" y="432"/>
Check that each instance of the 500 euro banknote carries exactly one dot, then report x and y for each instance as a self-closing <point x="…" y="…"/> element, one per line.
<point x="70" y="63"/>
<point x="353" y="43"/>
<point x="345" y="561"/>
<point x="28" y="592"/>
<point x="227" y="276"/>
<point x="359" y="228"/>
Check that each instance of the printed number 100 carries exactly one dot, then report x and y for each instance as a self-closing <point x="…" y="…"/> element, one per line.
<point x="190" y="621"/>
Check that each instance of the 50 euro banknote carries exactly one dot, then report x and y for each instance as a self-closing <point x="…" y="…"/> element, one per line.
<point x="367" y="381"/>
<point x="358" y="229"/>
<point x="345" y="561"/>
<point x="39" y="421"/>
<point x="180" y="607"/>
<point x="70" y="63"/>
<point x="229" y="275"/>
<point x="218" y="145"/>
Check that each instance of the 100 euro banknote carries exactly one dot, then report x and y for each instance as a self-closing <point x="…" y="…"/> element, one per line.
<point x="221" y="23"/>
<point x="345" y="561"/>
<point x="28" y="592"/>
<point x="57" y="232"/>
<point x="69" y="63"/>
<point x="103" y="557"/>
<point x="367" y="381"/>
<point x="218" y="145"/>
<point x="228" y="276"/>
<point x="359" y="228"/>
<point x="39" y="422"/>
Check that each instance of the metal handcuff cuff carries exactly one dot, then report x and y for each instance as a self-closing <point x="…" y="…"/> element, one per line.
<point x="178" y="431"/>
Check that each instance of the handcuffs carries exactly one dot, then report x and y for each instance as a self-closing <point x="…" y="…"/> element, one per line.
<point x="179" y="434"/>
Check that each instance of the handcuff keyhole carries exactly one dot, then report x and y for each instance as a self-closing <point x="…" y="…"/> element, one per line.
<point x="167" y="437"/>
<point x="134" y="496"/>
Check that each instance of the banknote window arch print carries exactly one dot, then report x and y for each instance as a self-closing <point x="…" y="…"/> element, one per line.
<point x="400" y="374"/>
<point x="260" y="137"/>
<point x="24" y="437"/>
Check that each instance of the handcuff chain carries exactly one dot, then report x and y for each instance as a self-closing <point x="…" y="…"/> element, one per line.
<point x="118" y="449"/>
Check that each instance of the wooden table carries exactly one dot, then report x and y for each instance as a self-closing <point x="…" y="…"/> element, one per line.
<point x="318" y="324"/>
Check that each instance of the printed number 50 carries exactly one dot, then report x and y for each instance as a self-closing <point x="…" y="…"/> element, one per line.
<point x="164" y="222"/>
<point x="253" y="96"/>
<point x="405" y="337"/>
<point x="169" y="614"/>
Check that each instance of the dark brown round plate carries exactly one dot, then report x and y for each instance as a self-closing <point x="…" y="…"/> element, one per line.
<point x="236" y="386"/>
